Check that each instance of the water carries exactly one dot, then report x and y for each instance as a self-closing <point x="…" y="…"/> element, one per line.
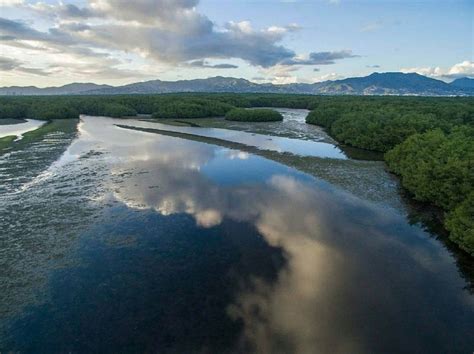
<point x="293" y="121"/>
<point x="140" y="242"/>
<point x="19" y="129"/>
<point x="292" y="126"/>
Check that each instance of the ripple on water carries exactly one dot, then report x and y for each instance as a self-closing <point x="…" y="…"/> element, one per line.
<point x="151" y="241"/>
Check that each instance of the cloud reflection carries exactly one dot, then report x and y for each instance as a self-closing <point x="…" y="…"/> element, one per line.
<point x="349" y="267"/>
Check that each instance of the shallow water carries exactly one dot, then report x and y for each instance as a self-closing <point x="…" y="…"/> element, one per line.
<point x="317" y="143"/>
<point x="20" y="128"/>
<point x="139" y="242"/>
<point x="293" y="125"/>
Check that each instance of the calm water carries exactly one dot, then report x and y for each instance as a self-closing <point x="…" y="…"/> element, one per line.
<point x="292" y="119"/>
<point x="19" y="129"/>
<point x="127" y="241"/>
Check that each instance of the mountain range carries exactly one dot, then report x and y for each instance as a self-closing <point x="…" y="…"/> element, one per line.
<point x="391" y="83"/>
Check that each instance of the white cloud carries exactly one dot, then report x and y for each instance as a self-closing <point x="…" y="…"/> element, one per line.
<point x="466" y="68"/>
<point x="325" y="77"/>
<point x="463" y="69"/>
<point x="280" y="74"/>
<point x="11" y="2"/>
<point x="170" y="32"/>
<point x="14" y="65"/>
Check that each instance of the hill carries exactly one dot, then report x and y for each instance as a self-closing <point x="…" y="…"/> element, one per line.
<point x="391" y="83"/>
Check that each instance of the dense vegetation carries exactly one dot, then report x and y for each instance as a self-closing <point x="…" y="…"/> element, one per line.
<point x="380" y="123"/>
<point x="254" y="115"/>
<point x="438" y="167"/>
<point x="429" y="141"/>
<point x="186" y="105"/>
<point x="190" y="108"/>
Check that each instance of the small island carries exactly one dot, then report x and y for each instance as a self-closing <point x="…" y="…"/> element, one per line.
<point x="253" y="115"/>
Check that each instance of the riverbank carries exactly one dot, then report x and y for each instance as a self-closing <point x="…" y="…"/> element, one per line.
<point x="429" y="146"/>
<point x="18" y="129"/>
<point x="122" y="218"/>
<point x="372" y="123"/>
<point x="6" y="141"/>
<point x="12" y="142"/>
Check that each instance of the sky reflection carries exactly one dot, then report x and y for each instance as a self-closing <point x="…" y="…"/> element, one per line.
<point x="357" y="279"/>
<point x="286" y="262"/>
<point x="21" y="128"/>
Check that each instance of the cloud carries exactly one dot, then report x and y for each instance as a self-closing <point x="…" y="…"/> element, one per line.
<point x="61" y="52"/>
<point x="170" y="33"/>
<point x="61" y="10"/>
<point x="11" y="30"/>
<point x="236" y="41"/>
<point x="321" y="58"/>
<point x="463" y="69"/>
<point x="19" y="31"/>
<point x="281" y="74"/>
<point x="205" y="64"/>
<point x="8" y="3"/>
<point x="326" y="77"/>
<point x="224" y="66"/>
<point x="375" y="66"/>
<point x="7" y="64"/>
<point x="177" y="14"/>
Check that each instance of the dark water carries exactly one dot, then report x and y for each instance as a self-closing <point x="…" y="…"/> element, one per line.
<point x="139" y="242"/>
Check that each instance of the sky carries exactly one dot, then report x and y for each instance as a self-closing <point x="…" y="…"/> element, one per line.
<point x="52" y="43"/>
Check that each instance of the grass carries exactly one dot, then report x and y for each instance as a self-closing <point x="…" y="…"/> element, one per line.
<point x="6" y="141"/>
<point x="59" y="125"/>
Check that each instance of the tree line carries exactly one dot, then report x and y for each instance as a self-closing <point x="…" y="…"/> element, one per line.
<point x="428" y="141"/>
<point x="186" y="105"/>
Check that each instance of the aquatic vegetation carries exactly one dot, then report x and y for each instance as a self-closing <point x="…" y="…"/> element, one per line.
<point x="254" y="115"/>
<point x="6" y="141"/>
<point x="58" y="126"/>
<point x="124" y="218"/>
<point x="373" y="123"/>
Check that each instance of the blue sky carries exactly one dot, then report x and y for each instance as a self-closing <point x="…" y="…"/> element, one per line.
<point x="117" y="41"/>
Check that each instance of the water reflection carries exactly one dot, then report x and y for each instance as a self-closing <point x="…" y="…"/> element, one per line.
<point x="263" y="142"/>
<point x="19" y="129"/>
<point x="208" y="249"/>
<point x="351" y="271"/>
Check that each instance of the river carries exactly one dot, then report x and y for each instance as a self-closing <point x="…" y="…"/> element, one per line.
<point x="123" y="240"/>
